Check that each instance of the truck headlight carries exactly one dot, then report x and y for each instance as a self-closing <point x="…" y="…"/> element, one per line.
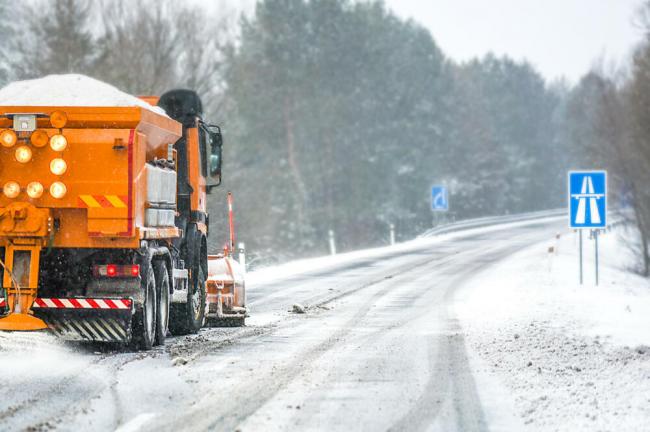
<point x="58" y="166"/>
<point x="58" y="190"/>
<point x="35" y="190"/>
<point x="23" y="154"/>
<point x="11" y="189"/>
<point x="58" y="142"/>
<point x="8" y="138"/>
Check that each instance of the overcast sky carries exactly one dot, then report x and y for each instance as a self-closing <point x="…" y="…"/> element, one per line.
<point x="559" y="37"/>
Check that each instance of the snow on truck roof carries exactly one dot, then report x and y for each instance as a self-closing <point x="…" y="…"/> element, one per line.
<point x="69" y="90"/>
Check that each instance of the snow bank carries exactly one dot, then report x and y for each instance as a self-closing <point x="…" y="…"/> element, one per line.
<point x="536" y="284"/>
<point x="572" y="357"/>
<point x="69" y="90"/>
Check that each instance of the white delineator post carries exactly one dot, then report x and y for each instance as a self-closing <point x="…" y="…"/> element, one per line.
<point x="332" y="242"/>
<point x="392" y="234"/>
<point x="242" y="255"/>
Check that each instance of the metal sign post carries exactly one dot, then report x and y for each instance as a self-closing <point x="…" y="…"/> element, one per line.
<point x="596" y="244"/>
<point x="580" y="234"/>
<point x="587" y="201"/>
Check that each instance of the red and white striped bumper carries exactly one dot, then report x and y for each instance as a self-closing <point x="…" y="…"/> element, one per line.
<point x="82" y="303"/>
<point x="3" y="303"/>
<point x="87" y="319"/>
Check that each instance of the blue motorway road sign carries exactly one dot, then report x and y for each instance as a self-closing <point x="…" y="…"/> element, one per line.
<point x="439" y="198"/>
<point x="588" y="199"/>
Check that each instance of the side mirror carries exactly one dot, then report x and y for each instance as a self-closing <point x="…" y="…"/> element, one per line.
<point x="216" y="153"/>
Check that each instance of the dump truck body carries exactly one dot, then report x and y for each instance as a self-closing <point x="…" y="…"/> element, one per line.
<point x="55" y="246"/>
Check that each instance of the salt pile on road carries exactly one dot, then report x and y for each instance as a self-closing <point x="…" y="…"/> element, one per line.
<point x="68" y="90"/>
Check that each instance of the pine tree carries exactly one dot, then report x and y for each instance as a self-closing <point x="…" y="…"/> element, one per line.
<point x="63" y="43"/>
<point x="7" y="34"/>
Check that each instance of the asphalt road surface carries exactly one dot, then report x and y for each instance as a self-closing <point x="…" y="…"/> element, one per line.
<point x="378" y="349"/>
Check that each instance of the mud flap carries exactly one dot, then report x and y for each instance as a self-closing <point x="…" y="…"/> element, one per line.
<point x="92" y="325"/>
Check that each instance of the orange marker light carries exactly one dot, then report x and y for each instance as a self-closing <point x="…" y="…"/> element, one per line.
<point x="58" y="142"/>
<point x="58" y="119"/>
<point x="23" y="154"/>
<point x="58" y="190"/>
<point x="58" y="166"/>
<point x="8" y="138"/>
<point x="39" y="138"/>
<point x="35" y="190"/>
<point x="11" y="189"/>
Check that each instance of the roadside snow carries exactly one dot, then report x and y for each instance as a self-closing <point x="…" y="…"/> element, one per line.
<point x="307" y="265"/>
<point x="574" y="357"/>
<point x="69" y="90"/>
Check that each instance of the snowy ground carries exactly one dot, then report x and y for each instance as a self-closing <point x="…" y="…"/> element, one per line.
<point x="572" y="357"/>
<point x="479" y="330"/>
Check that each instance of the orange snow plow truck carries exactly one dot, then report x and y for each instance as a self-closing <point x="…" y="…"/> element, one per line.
<point x="104" y="223"/>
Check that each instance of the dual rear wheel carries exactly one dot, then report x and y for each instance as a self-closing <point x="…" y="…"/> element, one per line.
<point x="151" y="320"/>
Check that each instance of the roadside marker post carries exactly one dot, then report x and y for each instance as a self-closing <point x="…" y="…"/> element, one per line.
<point x="587" y="202"/>
<point x="332" y="242"/>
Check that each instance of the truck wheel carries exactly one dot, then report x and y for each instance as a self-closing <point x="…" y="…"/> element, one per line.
<point x="188" y="317"/>
<point x="144" y="321"/>
<point x="162" y="291"/>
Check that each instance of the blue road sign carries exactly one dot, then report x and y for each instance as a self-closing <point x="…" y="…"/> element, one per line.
<point x="439" y="198"/>
<point x="588" y="199"/>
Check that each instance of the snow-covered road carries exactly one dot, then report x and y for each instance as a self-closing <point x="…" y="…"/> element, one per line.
<point x="384" y="345"/>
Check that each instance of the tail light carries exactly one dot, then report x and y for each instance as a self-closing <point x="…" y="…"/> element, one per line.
<point x="116" y="270"/>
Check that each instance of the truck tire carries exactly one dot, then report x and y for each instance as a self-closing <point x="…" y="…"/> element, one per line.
<point x="162" y="294"/>
<point x="144" y="321"/>
<point x="186" y="318"/>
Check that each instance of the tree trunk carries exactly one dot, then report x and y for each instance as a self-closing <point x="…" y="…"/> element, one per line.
<point x="299" y="184"/>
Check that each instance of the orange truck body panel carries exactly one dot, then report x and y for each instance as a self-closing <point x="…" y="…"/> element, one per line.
<point x="108" y="147"/>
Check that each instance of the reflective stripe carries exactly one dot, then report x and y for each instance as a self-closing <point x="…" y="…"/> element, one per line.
<point x="90" y="201"/>
<point x="78" y="303"/>
<point x="115" y="201"/>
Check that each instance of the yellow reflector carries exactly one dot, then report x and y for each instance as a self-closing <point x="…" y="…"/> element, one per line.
<point x="23" y="154"/>
<point x="58" y="166"/>
<point x="8" y="138"/>
<point x="35" y="190"/>
<point x="11" y="189"/>
<point x="58" y="119"/>
<point x="39" y="138"/>
<point x="58" y="190"/>
<point x="58" y="142"/>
